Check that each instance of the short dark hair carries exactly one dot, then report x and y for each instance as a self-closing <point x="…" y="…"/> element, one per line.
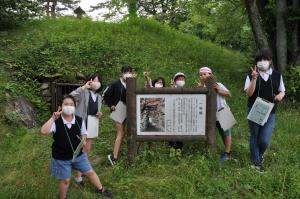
<point x="126" y="68"/>
<point x="93" y="76"/>
<point x="157" y="79"/>
<point x="264" y="54"/>
<point x="68" y="97"/>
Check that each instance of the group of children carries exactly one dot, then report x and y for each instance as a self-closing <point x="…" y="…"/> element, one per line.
<point x="68" y="124"/>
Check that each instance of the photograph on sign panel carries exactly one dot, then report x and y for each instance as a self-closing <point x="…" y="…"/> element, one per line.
<point x="152" y="112"/>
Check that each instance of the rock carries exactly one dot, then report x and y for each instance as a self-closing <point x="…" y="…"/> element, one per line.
<point x="46" y="93"/>
<point x="21" y="112"/>
<point x="45" y="86"/>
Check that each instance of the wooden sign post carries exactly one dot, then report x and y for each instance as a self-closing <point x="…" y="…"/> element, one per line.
<point x="170" y="114"/>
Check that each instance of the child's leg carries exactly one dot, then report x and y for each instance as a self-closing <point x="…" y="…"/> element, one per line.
<point x="265" y="134"/>
<point x="119" y="139"/>
<point x="63" y="188"/>
<point x="88" y="147"/>
<point x="227" y="140"/>
<point x="94" y="179"/>
<point x="254" y="148"/>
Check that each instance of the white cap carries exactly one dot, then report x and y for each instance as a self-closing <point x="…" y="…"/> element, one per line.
<point x="178" y="74"/>
<point x="205" y="70"/>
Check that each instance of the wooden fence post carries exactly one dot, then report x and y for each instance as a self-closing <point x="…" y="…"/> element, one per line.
<point x="131" y="119"/>
<point x="211" y="114"/>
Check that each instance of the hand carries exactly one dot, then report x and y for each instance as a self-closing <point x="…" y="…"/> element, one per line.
<point x="172" y="83"/>
<point x="278" y="97"/>
<point x="113" y="108"/>
<point x="254" y="73"/>
<point x="57" y="114"/>
<point x="146" y="75"/>
<point x="87" y="85"/>
<point x="217" y="87"/>
<point x="99" y="114"/>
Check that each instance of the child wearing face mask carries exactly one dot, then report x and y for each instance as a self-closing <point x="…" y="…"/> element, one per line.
<point x="222" y="93"/>
<point x="178" y="81"/>
<point x="67" y="130"/>
<point x="112" y="95"/>
<point x="89" y="102"/>
<point x="159" y="82"/>
<point x="266" y="83"/>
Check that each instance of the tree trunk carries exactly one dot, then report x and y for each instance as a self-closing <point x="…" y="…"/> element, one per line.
<point x="53" y="9"/>
<point x="48" y="8"/>
<point x="281" y="36"/>
<point x="132" y="8"/>
<point x="255" y="21"/>
<point x="297" y="62"/>
<point x="295" y="40"/>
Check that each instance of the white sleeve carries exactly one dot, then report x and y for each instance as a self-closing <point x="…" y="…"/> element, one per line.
<point x="247" y="83"/>
<point x="222" y="87"/>
<point x="53" y="128"/>
<point x="83" y="128"/>
<point x="281" y="85"/>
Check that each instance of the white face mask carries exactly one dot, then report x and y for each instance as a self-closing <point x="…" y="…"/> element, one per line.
<point x="68" y="110"/>
<point x="263" y="65"/>
<point x="180" y="83"/>
<point x="127" y="75"/>
<point x="95" y="85"/>
<point x="158" y="85"/>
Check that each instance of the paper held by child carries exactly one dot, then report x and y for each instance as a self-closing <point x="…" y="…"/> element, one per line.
<point x="78" y="149"/>
<point x="260" y="111"/>
<point x="119" y="115"/>
<point x="92" y="126"/>
<point x="226" y="118"/>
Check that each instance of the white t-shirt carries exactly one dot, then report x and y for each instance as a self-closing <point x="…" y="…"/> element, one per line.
<point x="265" y="76"/>
<point x="221" y="102"/>
<point x="69" y="125"/>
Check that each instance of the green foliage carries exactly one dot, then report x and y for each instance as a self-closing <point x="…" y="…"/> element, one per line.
<point x="49" y="50"/>
<point x="12" y="12"/>
<point x="223" y="22"/>
<point x="292" y="80"/>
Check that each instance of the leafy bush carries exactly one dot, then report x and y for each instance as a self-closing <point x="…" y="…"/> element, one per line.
<point x="292" y="79"/>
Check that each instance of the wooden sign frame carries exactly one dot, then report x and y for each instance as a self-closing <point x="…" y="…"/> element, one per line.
<point x="132" y="138"/>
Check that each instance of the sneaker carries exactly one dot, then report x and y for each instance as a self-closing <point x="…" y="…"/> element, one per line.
<point x="262" y="159"/>
<point x="178" y="153"/>
<point x="105" y="193"/>
<point x="258" y="168"/>
<point x="172" y="152"/>
<point x="225" y="156"/>
<point x="111" y="159"/>
<point x="80" y="183"/>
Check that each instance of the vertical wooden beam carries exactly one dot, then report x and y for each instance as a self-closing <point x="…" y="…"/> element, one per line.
<point x="53" y="96"/>
<point x="211" y="114"/>
<point x="131" y="119"/>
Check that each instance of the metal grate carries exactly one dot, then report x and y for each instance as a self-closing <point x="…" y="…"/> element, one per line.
<point x="58" y="90"/>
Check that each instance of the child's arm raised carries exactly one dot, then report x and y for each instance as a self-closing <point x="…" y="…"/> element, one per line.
<point x="45" y="130"/>
<point x="250" y="90"/>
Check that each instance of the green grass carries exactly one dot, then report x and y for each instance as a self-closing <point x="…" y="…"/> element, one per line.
<point x="25" y="153"/>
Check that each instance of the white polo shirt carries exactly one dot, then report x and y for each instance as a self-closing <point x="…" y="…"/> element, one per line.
<point x="265" y="76"/>
<point x="69" y="125"/>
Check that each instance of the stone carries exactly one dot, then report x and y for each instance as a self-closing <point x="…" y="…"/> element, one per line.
<point x="20" y="111"/>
